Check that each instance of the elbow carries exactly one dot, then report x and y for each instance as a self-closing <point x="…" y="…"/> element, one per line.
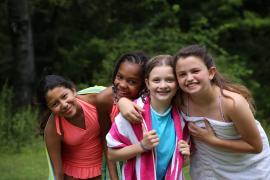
<point x="257" y="148"/>
<point x="110" y="156"/>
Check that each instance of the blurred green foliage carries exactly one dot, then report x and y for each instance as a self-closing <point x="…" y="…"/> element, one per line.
<point x="17" y="128"/>
<point x="82" y="39"/>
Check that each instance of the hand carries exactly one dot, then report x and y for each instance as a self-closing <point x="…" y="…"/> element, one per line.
<point x="150" y="139"/>
<point x="130" y="111"/>
<point x="183" y="147"/>
<point x="202" y="134"/>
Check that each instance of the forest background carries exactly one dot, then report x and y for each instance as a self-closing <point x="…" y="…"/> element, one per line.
<point x="82" y="39"/>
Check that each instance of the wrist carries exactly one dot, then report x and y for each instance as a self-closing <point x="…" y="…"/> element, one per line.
<point x="214" y="141"/>
<point x="143" y="147"/>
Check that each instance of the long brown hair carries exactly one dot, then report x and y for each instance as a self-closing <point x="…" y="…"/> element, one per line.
<point x="219" y="80"/>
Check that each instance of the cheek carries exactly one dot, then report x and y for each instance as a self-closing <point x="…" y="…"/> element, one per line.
<point x="180" y="81"/>
<point x="175" y="85"/>
<point x="135" y="90"/>
<point x="115" y="81"/>
<point x="72" y="100"/>
<point x="55" y="110"/>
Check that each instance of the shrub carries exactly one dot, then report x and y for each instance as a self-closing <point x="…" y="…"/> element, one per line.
<point x="17" y="127"/>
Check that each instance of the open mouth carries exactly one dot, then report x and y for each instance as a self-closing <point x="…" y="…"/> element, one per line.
<point x="163" y="92"/>
<point x="190" y="85"/>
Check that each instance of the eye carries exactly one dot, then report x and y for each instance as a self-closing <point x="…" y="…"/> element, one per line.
<point x="181" y="74"/>
<point x="156" y="80"/>
<point x="119" y="77"/>
<point x="64" y="96"/>
<point x="196" y="71"/>
<point x="53" y="105"/>
<point x="132" y="82"/>
<point x="170" y="80"/>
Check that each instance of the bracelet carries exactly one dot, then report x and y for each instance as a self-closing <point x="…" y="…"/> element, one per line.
<point x="143" y="147"/>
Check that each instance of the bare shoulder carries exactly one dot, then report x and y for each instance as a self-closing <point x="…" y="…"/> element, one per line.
<point x="50" y="128"/>
<point x="89" y="98"/>
<point x="105" y="97"/>
<point x="232" y="99"/>
<point x="235" y="104"/>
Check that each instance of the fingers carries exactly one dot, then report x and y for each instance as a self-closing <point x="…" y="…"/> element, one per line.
<point x="138" y="108"/>
<point x="150" y="139"/>
<point x="207" y="125"/>
<point x="184" y="148"/>
<point x="193" y="129"/>
<point x="135" y="116"/>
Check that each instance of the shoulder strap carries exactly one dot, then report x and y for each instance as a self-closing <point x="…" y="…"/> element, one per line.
<point x="220" y="107"/>
<point x="58" y="125"/>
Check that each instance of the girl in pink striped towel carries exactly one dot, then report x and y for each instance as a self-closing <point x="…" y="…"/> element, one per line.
<point x="157" y="147"/>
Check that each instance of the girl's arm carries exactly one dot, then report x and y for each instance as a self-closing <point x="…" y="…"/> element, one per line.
<point x="89" y="98"/>
<point x="149" y="141"/>
<point x="124" y="153"/>
<point x="243" y="119"/>
<point x="130" y="110"/>
<point x="53" y="145"/>
<point x="104" y="102"/>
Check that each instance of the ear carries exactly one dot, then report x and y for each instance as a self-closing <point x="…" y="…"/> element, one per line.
<point x="74" y="91"/>
<point x="212" y="71"/>
<point x="147" y="83"/>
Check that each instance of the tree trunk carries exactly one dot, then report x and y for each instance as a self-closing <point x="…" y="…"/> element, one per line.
<point x="23" y="54"/>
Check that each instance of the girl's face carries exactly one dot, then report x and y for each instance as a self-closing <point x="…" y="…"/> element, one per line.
<point x="128" y="80"/>
<point x="62" y="101"/>
<point x="193" y="75"/>
<point x="161" y="84"/>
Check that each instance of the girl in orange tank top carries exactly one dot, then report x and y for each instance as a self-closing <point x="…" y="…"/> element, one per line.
<point x="71" y="133"/>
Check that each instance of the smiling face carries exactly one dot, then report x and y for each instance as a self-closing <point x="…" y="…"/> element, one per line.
<point x="62" y="101"/>
<point x="193" y="75"/>
<point x="161" y="84"/>
<point x="128" y="80"/>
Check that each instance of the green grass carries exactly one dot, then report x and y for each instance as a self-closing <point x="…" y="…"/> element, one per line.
<point x="30" y="164"/>
<point x="186" y="173"/>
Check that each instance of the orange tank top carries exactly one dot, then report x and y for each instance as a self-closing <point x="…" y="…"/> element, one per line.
<point x="81" y="148"/>
<point x="115" y="111"/>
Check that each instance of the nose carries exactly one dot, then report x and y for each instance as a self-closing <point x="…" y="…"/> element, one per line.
<point x="163" y="84"/>
<point x="189" y="77"/>
<point x="123" y="84"/>
<point x="64" y="104"/>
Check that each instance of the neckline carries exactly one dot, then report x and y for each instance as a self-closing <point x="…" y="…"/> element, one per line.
<point x="162" y="114"/>
<point x="219" y="101"/>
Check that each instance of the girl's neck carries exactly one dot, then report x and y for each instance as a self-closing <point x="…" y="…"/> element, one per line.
<point x="78" y="116"/>
<point x="160" y="107"/>
<point x="206" y="96"/>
